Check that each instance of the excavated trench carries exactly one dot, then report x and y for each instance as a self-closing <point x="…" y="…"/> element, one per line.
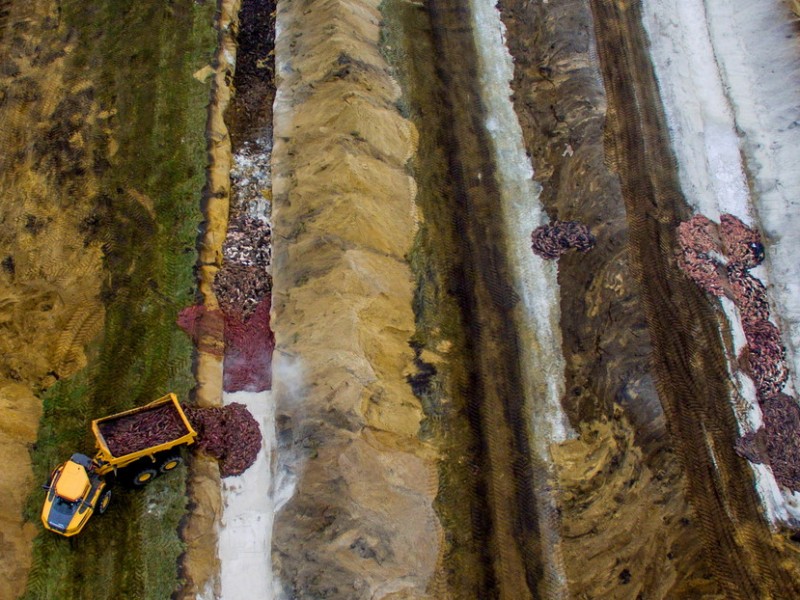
<point x="646" y="367"/>
<point x="688" y="354"/>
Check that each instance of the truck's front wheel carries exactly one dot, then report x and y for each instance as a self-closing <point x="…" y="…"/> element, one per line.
<point x="105" y="500"/>
<point x="144" y="477"/>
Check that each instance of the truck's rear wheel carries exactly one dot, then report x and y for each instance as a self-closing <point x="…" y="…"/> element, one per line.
<point x="144" y="476"/>
<point x="105" y="500"/>
<point x="170" y="463"/>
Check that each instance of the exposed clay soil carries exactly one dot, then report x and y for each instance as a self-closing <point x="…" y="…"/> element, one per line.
<point x="50" y="276"/>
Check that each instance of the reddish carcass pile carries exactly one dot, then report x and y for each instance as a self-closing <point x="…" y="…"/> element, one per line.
<point x="718" y="258"/>
<point x="230" y="433"/>
<point x="554" y="239"/>
<point x="146" y="429"/>
<point x="241" y="325"/>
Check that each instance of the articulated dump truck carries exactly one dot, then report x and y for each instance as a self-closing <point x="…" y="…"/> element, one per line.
<point x="136" y="445"/>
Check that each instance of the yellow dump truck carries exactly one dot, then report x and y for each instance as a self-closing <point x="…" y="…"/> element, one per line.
<point x="135" y="445"/>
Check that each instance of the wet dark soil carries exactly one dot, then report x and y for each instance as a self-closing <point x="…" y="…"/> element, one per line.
<point x="688" y="355"/>
<point x="486" y="497"/>
<point x="643" y="349"/>
<point x="562" y="106"/>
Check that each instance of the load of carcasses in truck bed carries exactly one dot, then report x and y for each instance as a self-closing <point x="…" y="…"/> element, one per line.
<point x="229" y="433"/>
<point x="146" y="429"/>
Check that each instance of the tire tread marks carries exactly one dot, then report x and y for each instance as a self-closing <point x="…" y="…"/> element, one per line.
<point x="688" y="356"/>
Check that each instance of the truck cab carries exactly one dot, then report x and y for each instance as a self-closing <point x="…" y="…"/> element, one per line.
<point x="74" y="493"/>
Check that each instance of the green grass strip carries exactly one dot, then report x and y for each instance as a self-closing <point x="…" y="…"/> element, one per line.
<point x="140" y="57"/>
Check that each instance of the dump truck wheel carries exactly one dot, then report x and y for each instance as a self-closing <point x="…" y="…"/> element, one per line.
<point x="144" y="477"/>
<point x="105" y="500"/>
<point x="170" y="463"/>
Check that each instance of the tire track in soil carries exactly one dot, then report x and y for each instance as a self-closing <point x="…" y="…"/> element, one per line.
<point x="5" y="11"/>
<point x="504" y="522"/>
<point x="687" y="351"/>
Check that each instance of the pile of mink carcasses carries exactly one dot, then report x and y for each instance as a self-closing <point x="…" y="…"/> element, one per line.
<point x="719" y="258"/>
<point x="230" y="433"/>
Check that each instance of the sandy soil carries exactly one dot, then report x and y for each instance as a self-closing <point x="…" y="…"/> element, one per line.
<point x="344" y="218"/>
<point x="50" y="279"/>
<point x="200" y="562"/>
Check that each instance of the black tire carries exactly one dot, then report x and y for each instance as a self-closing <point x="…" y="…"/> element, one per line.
<point x="105" y="500"/>
<point x="144" y="477"/>
<point x="170" y="463"/>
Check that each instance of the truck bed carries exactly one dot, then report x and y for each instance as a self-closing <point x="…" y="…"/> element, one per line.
<point x="157" y="426"/>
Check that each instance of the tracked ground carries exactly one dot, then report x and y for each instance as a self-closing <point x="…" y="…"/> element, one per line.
<point x="646" y="369"/>
<point x="653" y="501"/>
<point x="465" y="294"/>
<point x="105" y="134"/>
<point x="622" y="468"/>
<point x="688" y="357"/>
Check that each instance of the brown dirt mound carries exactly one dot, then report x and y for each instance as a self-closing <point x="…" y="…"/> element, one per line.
<point x="229" y="434"/>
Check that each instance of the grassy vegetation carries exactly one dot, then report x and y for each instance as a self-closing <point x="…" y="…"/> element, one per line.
<point x="139" y="57"/>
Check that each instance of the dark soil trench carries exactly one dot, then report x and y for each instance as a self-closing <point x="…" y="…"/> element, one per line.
<point x="486" y="498"/>
<point x="249" y="116"/>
